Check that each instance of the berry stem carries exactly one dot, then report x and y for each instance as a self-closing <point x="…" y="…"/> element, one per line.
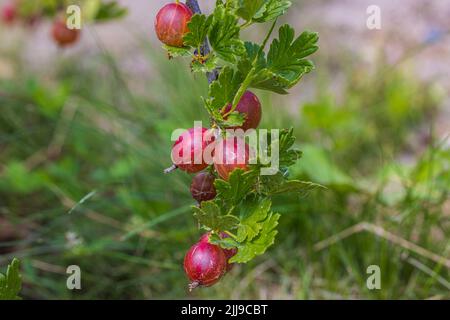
<point x="170" y="169"/>
<point x="247" y="82"/>
<point x="193" y="285"/>
<point x="231" y="234"/>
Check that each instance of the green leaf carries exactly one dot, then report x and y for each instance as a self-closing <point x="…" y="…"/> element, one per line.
<point x="90" y="9"/>
<point x="210" y="216"/>
<point x="239" y="184"/>
<point x="110" y="10"/>
<point x="329" y="175"/>
<point x="296" y="186"/>
<point x="177" y="51"/>
<point x="198" y="30"/>
<point x="208" y="66"/>
<point x="267" y="183"/>
<point x="248" y="9"/>
<point x="288" y="156"/>
<point x="257" y="246"/>
<point x="214" y="112"/>
<point x="224" y="35"/>
<point x="252" y="50"/>
<point x="273" y="9"/>
<point x="261" y="10"/>
<point x="285" y="47"/>
<point x="278" y="158"/>
<point x="11" y="283"/>
<point x="225" y="243"/>
<point x="285" y="64"/>
<point x="304" y="46"/>
<point x="234" y="119"/>
<point x="223" y="90"/>
<point x="252" y="219"/>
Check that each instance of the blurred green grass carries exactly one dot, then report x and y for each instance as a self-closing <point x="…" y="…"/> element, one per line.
<point x="82" y="155"/>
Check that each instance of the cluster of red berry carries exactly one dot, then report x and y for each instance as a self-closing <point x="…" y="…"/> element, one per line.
<point x="62" y="35"/>
<point x="205" y="263"/>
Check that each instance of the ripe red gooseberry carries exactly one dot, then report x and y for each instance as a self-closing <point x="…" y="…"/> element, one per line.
<point x="171" y="23"/>
<point x="62" y="35"/>
<point x="204" y="264"/>
<point x="229" y="253"/>
<point x="230" y="154"/>
<point x="202" y="187"/>
<point x="250" y="106"/>
<point x="187" y="152"/>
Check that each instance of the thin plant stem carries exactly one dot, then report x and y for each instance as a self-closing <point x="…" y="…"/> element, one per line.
<point x="249" y="78"/>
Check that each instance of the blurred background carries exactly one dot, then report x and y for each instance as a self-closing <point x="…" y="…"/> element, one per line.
<point x="85" y="136"/>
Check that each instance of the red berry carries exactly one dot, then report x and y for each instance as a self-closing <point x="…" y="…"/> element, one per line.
<point x="187" y="152"/>
<point x="205" y="237"/>
<point x="229" y="253"/>
<point x="62" y="35"/>
<point x="9" y="13"/>
<point x="230" y="154"/>
<point x="171" y="23"/>
<point x="202" y="187"/>
<point x="204" y="264"/>
<point x="250" y="106"/>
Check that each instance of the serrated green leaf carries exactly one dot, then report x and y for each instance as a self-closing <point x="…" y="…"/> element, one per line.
<point x="288" y="156"/>
<point x="276" y="82"/>
<point x="305" y="45"/>
<point x="272" y="10"/>
<point x="239" y="184"/>
<point x="198" y="30"/>
<point x="252" y="219"/>
<point x="261" y="10"/>
<point x="11" y="282"/>
<point x="246" y="63"/>
<point x="269" y="182"/>
<point x="285" y="64"/>
<point x="175" y="52"/>
<point x="251" y="50"/>
<point x="224" y="35"/>
<point x="210" y="216"/>
<point x="250" y="9"/>
<point x="223" y="90"/>
<point x="286" y="54"/>
<point x="250" y="249"/>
